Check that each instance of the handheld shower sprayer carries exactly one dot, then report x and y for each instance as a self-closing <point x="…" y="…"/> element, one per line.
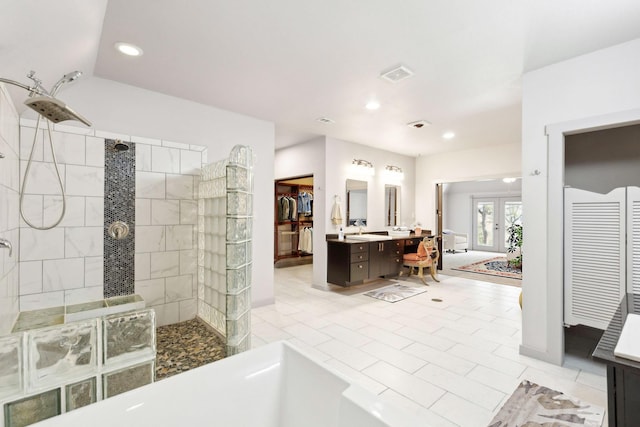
<point x="67" y="78"/>
<point x="54" y="110"/>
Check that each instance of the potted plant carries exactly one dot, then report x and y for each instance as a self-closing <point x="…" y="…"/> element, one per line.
<point x="515" y="245"/>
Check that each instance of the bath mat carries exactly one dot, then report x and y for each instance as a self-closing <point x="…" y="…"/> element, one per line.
<point x="535" y="405"/>
<point x="395" y="292"/>
<point x="496" y="266"/>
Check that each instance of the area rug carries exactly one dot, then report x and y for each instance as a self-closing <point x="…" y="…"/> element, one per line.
<point x="532" y="405"/>
<point x="395" y="292"/>
<point x="496" y="266"/>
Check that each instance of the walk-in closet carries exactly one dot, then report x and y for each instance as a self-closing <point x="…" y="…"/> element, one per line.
<point x="293" y="228"/>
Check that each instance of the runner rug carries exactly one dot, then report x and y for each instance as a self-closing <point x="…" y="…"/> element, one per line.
<point x="496" y="266"/>
<point x="535" y="405"/>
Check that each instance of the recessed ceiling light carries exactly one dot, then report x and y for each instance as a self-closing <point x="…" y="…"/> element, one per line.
<point x="372" y="105"/>
<point x="448" y="135"/>
<point x="128" y="49"/>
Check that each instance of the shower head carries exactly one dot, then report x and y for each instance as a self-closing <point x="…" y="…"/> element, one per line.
<point x="120" y="145"/>
<point x="54" y="109"/>
<point x="67" y="78"/>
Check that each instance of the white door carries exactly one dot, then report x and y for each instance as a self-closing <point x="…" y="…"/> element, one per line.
<point x="492" y="217"/>
<point x="594" y="256"/>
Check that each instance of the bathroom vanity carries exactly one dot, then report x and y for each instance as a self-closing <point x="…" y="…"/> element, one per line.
<point x="623" y="375"/>
<point x="363" y="257"/>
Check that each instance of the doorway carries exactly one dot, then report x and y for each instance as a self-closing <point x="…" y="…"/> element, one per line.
<point x="492" y="217"/>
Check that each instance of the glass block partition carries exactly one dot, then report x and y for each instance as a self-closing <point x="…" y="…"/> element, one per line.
<point x="225" y="208"/>
<point x="56" y="366"/>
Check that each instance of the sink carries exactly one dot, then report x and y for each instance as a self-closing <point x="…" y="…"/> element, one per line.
<point x="369" y="237"/>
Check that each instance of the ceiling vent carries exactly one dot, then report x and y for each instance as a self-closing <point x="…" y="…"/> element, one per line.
<point x="396" y="74"/>
<point x="419" y="124"/>
<point x="324" y="120"/>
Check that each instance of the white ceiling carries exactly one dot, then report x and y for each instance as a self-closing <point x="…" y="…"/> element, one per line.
<point x="293" y="61"/>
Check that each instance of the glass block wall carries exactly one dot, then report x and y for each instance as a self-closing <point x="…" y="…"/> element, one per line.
<point x="225" y="208"/>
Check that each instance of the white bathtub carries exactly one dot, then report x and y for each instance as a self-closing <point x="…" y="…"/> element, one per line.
<point x="271" y="386"/>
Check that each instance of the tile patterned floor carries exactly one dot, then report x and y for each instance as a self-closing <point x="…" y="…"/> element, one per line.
<point x="454" y="363"/>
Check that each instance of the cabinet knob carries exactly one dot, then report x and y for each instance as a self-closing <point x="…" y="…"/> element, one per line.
<point x="359" y="266"/>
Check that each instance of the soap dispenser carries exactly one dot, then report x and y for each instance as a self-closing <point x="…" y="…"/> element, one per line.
<point x="340" y="234"/>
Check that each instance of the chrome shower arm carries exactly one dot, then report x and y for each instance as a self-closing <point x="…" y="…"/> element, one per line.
<point x="33" y="90"/>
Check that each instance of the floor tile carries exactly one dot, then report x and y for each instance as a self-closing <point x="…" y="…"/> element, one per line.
<point x="461" y="412"/>
<point x="389" y="338"/>
<point x="448" y="362"/>
<point x="408" y="385"/>
<point x="429" y="418"/>
<point x="351" y="356"/>
<point x="440" y="358"/>
<point x="393" y="356"/>
<point x="346" y="335"/>
<point x="461" y="386"/>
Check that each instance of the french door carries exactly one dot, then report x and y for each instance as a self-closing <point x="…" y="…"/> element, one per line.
<point x="492" y="216"/>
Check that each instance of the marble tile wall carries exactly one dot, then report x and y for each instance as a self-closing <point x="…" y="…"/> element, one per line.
<point x="9" y="214"/>
<point x="65" y="265"/>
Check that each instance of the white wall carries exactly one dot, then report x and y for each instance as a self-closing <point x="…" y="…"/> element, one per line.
<point x="9" y="215"/>
<point x="469" y="165"/>
<point x="133" y="111"/>
<point x="593" y="90"/>
<point x="340" y="154"/>
<point x="301" y="160"/>
<point x="329" y="160"/>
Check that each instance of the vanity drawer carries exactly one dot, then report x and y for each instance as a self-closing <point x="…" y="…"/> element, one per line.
<point x="359" y="271"/>
<point x="359" y="256"/>
<point x="359" y="247"/>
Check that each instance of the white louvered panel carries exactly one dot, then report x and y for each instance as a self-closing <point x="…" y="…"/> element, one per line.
<point x="633" y="240"/>
<point x="594" y="256"/>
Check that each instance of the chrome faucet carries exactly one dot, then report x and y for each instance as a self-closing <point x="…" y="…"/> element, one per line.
<point x="4" y="243"/>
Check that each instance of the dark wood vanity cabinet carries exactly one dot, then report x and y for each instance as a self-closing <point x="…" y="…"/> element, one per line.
<point x="347" y="262"/>
<point x="385" y="258"/>
<point x="350" y="262"/>
<point x="623" y="375"/>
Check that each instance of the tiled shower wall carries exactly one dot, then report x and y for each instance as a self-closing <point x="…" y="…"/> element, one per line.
<point x="9" y="225"/>
<point x="65" y="265"/>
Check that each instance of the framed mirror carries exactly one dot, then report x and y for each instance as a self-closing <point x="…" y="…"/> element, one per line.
<point x="391" y="205"/>
<point x="356" y="202"/>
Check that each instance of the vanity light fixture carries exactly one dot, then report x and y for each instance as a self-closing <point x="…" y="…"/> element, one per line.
<point x="363" y="167"/>
<point x="128" y="49"/>
<point x="394" y="172"/>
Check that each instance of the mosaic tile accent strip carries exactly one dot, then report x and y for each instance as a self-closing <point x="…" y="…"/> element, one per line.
<point x="119" y="205"/>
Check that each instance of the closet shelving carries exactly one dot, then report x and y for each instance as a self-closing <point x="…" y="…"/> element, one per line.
<point x="292" y="230"/>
